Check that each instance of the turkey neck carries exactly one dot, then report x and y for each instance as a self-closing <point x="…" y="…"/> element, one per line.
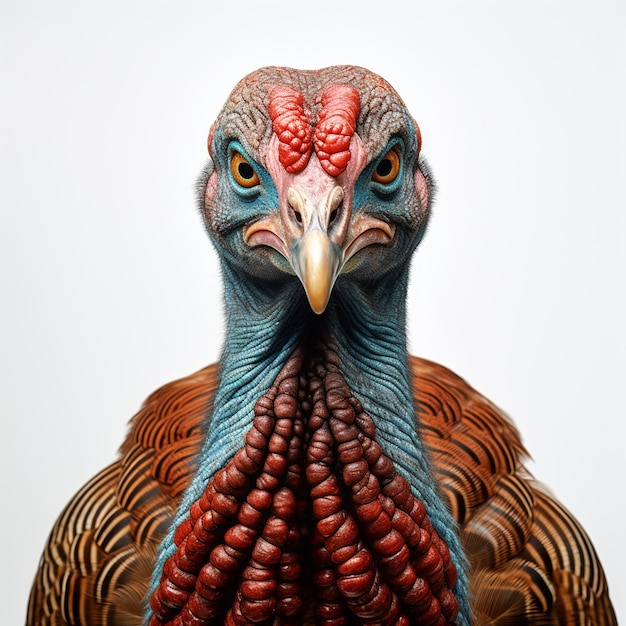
<point x="313" y="492"/>
<point x="368" y="326"/>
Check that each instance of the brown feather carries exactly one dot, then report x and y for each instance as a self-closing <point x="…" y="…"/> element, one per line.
<point x="532" y="562"/>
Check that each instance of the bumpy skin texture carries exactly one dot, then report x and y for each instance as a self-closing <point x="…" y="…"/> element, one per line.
<point x="96" y="567"/>
<point x="318" y="474"/>
<point x="310" y="466"/>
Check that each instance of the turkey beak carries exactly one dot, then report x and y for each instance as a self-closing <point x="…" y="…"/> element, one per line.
<point x="315" y="257"/>
<point x="316" y="262"/>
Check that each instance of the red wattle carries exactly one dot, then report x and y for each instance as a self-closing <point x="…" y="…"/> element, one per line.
<point x="308" y="518"/>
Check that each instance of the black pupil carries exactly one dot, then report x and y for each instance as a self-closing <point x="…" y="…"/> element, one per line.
<point x="384" y="168"/>
<point x="245" y="171"/>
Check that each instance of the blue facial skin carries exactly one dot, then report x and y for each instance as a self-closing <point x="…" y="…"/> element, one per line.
<point x="267" y="316"/>
<point x="234" y="206"/>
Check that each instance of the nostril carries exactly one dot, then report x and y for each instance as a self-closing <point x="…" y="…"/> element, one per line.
<point x="335" y="202"/>
<point x="296" y="213"/>
<point x="295" y="202"/>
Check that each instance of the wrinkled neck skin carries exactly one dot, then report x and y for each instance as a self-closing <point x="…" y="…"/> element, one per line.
<point x="347" y="377"/>
<point x="369" y="330"/>
<point x="262" y="331"/>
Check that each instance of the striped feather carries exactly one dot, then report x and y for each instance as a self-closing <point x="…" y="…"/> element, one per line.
<point x="98" y="559"/>
<point x="532" y="562"/>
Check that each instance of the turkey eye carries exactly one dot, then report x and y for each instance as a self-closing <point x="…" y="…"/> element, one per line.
<point x="243" y="173"/>
<point x="388" y="168"/>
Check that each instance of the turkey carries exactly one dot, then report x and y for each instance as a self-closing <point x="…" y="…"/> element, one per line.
<point x="318" y="473"/>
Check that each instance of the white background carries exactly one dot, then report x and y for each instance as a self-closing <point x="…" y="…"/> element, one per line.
<point x="110" y="288"/>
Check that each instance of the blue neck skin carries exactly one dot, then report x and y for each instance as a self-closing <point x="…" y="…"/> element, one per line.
<point x="368" y="325"/>
<point x="265" y="323"/>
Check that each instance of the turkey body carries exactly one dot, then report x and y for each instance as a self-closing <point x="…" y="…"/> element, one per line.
<point x="318" y="473"/>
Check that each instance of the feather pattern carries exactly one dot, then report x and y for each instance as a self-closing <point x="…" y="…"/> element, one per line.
<point x="531" y="561"/>
<point x="110" y="530"/>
